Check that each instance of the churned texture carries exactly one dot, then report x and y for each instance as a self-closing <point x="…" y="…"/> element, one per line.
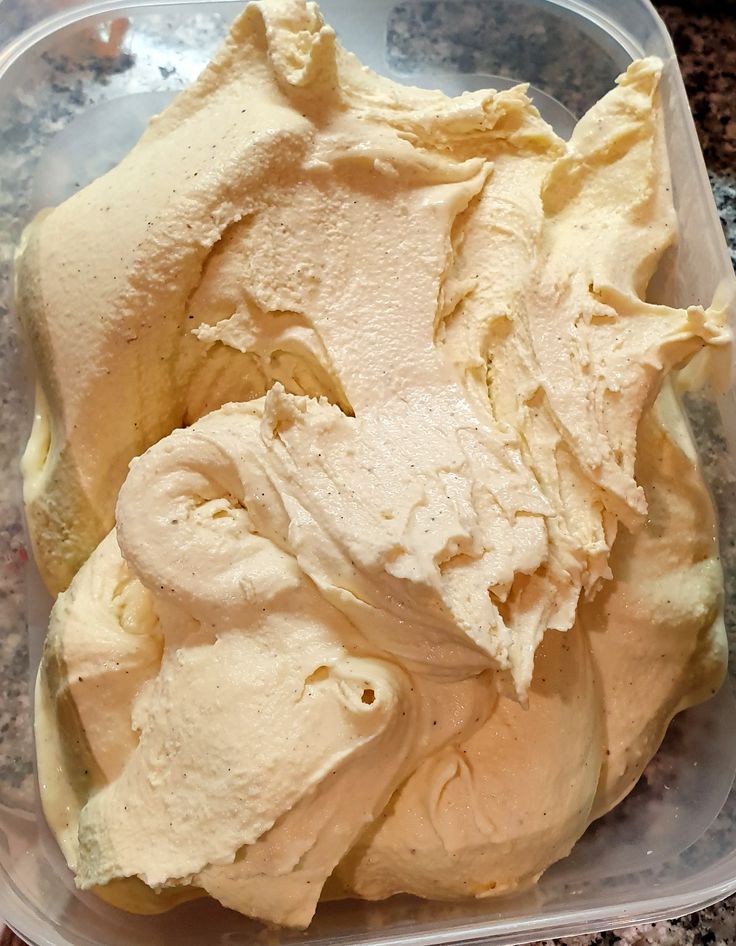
<point x="346" y="463"/>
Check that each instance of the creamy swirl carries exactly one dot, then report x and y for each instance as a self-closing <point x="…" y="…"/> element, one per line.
<point x="428" y="317"/>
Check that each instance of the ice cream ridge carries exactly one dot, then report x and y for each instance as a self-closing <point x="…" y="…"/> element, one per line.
<point x="382" y="555"/>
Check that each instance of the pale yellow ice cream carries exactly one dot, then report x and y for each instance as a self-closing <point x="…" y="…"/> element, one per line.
<point x="491" y="813"/>
<point x="369" y="624"/>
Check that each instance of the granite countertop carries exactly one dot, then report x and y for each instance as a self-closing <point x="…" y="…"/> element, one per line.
<point x="704" y="36"/>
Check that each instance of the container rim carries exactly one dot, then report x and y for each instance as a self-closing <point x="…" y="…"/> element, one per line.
<point x="561" y="922"/>
<point x="20" y="44"/>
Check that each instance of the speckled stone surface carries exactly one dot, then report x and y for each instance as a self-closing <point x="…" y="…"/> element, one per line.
<point x="705" y="36"/>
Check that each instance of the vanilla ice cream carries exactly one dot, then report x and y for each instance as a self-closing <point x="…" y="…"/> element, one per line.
<point x="346" y="461"/>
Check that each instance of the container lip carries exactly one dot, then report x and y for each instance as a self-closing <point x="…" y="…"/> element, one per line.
<point x="51" y="24"/>
<point x="610" y="25"/>
<point x="561" y="923"/>
<point x="20" y="44"/>
<point x="13" y="906"/>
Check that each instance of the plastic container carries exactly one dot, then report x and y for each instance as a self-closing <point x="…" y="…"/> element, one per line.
<point x="75" y="92"/>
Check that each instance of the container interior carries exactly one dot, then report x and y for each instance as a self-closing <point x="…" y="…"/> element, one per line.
<point x="87" y="87"/>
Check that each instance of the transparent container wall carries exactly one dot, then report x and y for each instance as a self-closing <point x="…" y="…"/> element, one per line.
<point x="71" y="105"/>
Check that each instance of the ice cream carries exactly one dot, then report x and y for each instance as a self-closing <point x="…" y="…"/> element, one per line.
<point x="361" y="625"/>
<point x="490" y="814"/>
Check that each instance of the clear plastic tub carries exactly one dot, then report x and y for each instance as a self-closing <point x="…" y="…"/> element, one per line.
<point x="75" y="92"/>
